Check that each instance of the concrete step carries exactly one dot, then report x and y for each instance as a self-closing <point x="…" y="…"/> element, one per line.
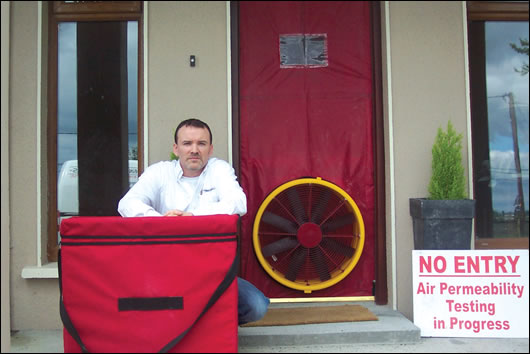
<point x="391" y="328"/>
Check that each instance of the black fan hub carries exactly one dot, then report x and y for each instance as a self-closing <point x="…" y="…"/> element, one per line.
<point x="309" y="235"/>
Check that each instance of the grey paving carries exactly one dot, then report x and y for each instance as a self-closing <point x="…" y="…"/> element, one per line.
<point x="391" y="333"/>
<point x="50" y="341"/>
<point x="425" y="345"/>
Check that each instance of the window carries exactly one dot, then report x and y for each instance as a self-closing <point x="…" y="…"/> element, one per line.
<point x="94" y="115"/>
<point x="498" y="52"/>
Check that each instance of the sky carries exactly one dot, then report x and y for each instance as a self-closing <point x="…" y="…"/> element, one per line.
<point x="501" y="78"/>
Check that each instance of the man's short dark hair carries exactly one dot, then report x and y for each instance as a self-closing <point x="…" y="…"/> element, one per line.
<point x="192" y="122"/>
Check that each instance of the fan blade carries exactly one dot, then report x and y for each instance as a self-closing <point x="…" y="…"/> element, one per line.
<point x="337" y="223"/>
<point x="319" y="262"/>
<point x="316" y="215"/>
<point x="279" y="222"/>
<point x="279" y="246"/>
<point x="296" y="263"/>
<point x="337" y="247"/>
<point x="296" y="206"/>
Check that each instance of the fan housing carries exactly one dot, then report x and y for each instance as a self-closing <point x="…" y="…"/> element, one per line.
<point x="308" y="234"/>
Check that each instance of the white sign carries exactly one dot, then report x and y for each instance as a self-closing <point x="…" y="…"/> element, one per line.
<point x="479" y="293"/>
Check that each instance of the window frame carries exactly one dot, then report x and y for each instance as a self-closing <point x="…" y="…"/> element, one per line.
<point x="495" y="11"/>
<point x="62" y="11"/>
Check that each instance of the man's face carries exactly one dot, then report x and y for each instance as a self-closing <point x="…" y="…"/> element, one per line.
<point x="193" y="148"/>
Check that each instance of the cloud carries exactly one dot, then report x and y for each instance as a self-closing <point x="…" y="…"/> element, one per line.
<point x="503" y="79"/>
<point x="504" y="163"/>
<point x="67" y="74"/>
<point x="504" y="179"/>
<point x="132" y="75"/>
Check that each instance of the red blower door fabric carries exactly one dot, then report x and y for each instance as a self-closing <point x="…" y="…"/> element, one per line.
<point x="306" y="98"/>
<point x="149" y="284"/>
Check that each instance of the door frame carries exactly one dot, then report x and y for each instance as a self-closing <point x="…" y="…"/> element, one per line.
<point x="380" y="289"/>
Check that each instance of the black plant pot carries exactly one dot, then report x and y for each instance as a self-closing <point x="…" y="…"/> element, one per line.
<point x="442" y="224"/>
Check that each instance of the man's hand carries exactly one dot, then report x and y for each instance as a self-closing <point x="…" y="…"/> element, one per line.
<point x="176" y="212"/>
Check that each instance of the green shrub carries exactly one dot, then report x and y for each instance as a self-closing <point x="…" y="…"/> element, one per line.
<point x="447" y="179"/>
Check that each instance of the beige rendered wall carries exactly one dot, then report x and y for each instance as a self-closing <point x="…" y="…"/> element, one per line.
<point x="174" y="91"/>
<point x="6" y="311"/>
<point x="428" y="88"/>
<point x="177" y="91"/>
<point x="34" y="302"/>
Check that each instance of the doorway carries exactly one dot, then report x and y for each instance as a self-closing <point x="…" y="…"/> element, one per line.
<point x="307" y="97"/>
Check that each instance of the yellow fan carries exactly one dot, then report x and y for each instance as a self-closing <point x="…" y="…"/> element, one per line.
<point x="308" y="234"/>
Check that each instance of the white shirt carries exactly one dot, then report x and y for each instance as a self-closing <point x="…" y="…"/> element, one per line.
<point x="161" y="188"/>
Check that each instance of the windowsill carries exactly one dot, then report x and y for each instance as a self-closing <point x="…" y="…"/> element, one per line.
<point x="46" y="271"/>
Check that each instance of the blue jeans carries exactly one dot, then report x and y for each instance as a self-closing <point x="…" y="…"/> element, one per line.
<point x="252" y="304"/>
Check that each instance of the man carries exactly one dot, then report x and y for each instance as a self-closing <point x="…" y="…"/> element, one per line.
<point x="195" y="184"/>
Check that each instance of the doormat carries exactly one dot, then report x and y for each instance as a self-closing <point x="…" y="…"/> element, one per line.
<point x="316" y="314"/>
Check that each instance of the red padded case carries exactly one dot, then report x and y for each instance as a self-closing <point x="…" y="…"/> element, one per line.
<point x="149" y="284"/>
